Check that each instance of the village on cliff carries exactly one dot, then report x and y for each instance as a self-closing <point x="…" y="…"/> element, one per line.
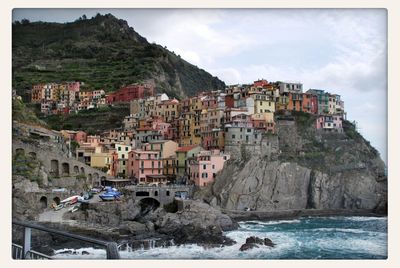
<point x="184" y="141"/>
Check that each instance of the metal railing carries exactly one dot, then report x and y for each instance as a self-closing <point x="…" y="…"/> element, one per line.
<point x="25" y="251"/>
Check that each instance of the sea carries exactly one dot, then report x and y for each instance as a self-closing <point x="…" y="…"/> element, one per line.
<point x="303" y="238"/>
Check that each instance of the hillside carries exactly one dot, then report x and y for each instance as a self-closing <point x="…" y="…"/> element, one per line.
<point x="103" y="52"/>
<point x="23" y="114"/>
<point x="106" y="118"/>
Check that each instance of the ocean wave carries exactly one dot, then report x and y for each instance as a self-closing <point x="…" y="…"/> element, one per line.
<point x="345" y="230"/>
<point x="357" y="218"/>
<point x="81" y="253"/>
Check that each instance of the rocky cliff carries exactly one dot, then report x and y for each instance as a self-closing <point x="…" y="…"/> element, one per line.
<point x="310" y="170"/>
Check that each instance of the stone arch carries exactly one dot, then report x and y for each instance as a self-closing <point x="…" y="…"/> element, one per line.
<point x="65" y="169"/>
<point x="76" y="169"/>
<point x="89" y="178"/>
<point x="43" y="202"/>
<point x="95" y="178"/>
<point x="20" y="151"/>
<point x="82" y="170"/>
<point x="32" y="155"/>
<point x="54" y="167"/>
<point x="148" y="204"/>
<point x="57" y="200"/>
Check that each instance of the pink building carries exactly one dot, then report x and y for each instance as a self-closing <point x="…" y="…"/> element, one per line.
<point x="330" y="122"/>
<point x="73" y="86"/>
<point x="163" y="129"/>
<point x="205" y="167"/>
<point x="142" y="164"/>
<point x="80" y="137"/>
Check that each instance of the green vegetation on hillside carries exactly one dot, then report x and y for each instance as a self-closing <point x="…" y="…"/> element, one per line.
<point x="26" y="166"/>
<point x="92" y="121"/>
<point x="23" y="114"/>
<point x="104" y="53"/>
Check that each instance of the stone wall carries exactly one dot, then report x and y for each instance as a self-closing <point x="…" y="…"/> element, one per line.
<point x="268" y="147"/>
<point x="57" y="165"/>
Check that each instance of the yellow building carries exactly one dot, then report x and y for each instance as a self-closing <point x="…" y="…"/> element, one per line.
<point x="262" y="103"/>
<point x="122" y="150"/>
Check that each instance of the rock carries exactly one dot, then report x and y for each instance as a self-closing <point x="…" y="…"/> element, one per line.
<point x="321" y="177"/>
<point x="248" y="246"/>
<point x="129" y="210"/>
<point x="197" y="223"/>
<point x="65" y="252"/>
<point x="84" y="252"/>
<point x="149" y="226"/>
<point x="253" y="242"/>
<point x="268" y="242"/>
<point x="134" y="227"/>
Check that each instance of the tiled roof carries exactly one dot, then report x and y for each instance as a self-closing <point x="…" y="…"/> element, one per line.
<point x="186" y="148"/>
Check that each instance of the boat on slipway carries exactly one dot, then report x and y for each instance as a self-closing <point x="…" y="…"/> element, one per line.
<point x="111" y="194"/>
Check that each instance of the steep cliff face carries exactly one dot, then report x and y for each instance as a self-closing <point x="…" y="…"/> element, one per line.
<point x="311" y="169"/>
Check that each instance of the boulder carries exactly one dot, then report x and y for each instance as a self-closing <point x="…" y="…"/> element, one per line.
<point x="254" y="242"/>
<point x="248" y="246"/>
<point x="197" y="223"/>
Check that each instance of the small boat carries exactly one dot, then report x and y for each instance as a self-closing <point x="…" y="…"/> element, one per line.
<point x="110" y="196"/>
<point x="74" y="208"/>
<point x="71" y="199"/>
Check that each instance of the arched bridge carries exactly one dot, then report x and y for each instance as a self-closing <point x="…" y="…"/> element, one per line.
<point x="163" y="194"/>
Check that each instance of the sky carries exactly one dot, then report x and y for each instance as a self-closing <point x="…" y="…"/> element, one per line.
<point x="342" y="51"/>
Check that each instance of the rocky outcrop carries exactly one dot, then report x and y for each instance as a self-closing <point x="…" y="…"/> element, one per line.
<point x="254" y="242"/>
<point x="313" y="170"/>
<point x="197" y="223"/>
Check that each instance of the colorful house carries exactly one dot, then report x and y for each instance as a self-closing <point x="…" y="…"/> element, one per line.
<point x="330" y="122"/>
<point x="142" y="164"/>
<point x="131" y="92"/>
<point x="122" y="150"/>
<point x="205" y="166"/>
<point x="183" y="155"/>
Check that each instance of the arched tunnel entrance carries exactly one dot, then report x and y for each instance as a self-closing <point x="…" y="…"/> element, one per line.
<point x="43" y="202"/>
<point x="147" y="205"/>
<point x="56" y="200"/>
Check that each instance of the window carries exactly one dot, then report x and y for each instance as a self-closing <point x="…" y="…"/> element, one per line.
<point x="119" y="148"/>
<point x="248" y="130"/>
<point x="204" y="167"/>
<point x="126" y="148"/>
<point x="213" y="166"/>
<point x="122" y="156"/>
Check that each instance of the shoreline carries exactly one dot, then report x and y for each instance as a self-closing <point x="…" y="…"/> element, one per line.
<point x="294" y="214"/>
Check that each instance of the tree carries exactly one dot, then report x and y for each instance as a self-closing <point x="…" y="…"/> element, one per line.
<point x="74" y="145"/>
<point x="84" y="17"/>
<point x="25" y="21"/>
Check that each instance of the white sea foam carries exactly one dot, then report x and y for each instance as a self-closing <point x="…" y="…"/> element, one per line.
<point x="77" y="253"/>
<point x="290" y="243"/>
<point x="263" y="223"/>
